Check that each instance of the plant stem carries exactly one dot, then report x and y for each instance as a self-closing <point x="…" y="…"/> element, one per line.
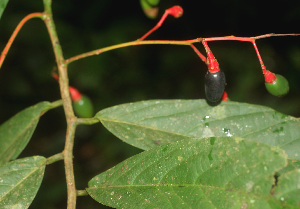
<point x="15" y="33"/>
<point x="259" y="57"/>
<point x="248" y="39"/>
<point x="55" y="158"/>
<point x="170" y="42"/>
<point x="68" y="160"/>
<point x="131" y="43"/>
<point x="202" y="57"/>
<point x="67" y="104"/>
<point x="56" y="104"/>
<point x="87" y="121"/>
<point x="82" y="193"/>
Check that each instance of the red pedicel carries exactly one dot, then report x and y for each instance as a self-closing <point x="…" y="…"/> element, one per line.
<point x="175" y="11"/>
<point x="225" y="96"/>
<point x="213" y="65"/>
<point x="269" y="76"/>
<point x="75" y="94"/>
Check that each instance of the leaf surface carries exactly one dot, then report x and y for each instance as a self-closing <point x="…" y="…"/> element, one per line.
<point x="288" y="189"/>
<point x="3" y="4"/>
<point x="149" y="123"/>
<point x="20" y="181"/>
<point x="17" y="131"/>
<point x="216" y="172"/>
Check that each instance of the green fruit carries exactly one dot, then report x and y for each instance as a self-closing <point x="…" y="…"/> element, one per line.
<point x="150" y="8"/>
<point x="153" y="2"/>
<point x="280" y="87"/>
<point x="84" y="107"/>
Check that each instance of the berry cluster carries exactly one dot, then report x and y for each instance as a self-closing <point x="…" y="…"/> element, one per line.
<point x="215" y="81"/>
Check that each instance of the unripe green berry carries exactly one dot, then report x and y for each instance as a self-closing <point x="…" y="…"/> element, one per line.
<point x="279" y="87"/>
<point x="153" y="2"/>
<point x="150" y="8"/>
<point x="83" y="108"/>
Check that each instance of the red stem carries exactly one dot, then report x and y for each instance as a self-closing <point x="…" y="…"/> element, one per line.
<point x="229" y="38"/>
<point x="174" y="42"/>
<point x="15" y="33"/>
<point x="175" y="11"/>
<point x="213" y="65"/>
<point x="155" y="27"/>
<point x="269" y="76"/>
<point x="263" y="67"/>
<point x="202" y="57"/>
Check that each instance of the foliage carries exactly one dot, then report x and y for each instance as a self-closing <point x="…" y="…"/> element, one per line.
<point x="197" y="155"/>
<point x="2" y="7"/>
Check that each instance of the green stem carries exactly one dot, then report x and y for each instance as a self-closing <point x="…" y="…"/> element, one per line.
<point x="55" y="158"/>
<point x="82" y="193"/>
<point x="67" y="104"/>
<point x="56" y="104"/>
<point x="87" y="121"/>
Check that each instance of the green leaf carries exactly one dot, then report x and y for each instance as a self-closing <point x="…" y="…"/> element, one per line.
<point x="17" y="131"/>
<point x="292" y="165"/>
<point x="3" y="4"/>
<point x="20" y="181"/>
<point x="217" y="172"/>
<point x="288" y="189"/>
<point x="149" y="123"/>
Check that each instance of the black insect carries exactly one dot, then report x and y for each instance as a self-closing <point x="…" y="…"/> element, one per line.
<point x="214" y="85"/>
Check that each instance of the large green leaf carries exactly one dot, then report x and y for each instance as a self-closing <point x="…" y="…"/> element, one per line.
<point x="20" y="181"/>
<point x="3" y="4"/>
<point x="148" y="123"/>
<point x="292" y="165"/>
<point x="217" y="172"/>
<point x="17" y="131"/>
<point x="288" y="188"/>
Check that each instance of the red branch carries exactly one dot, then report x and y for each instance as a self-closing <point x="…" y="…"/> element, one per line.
<point x="175" y="11"/>
<point x="15" y="33"/>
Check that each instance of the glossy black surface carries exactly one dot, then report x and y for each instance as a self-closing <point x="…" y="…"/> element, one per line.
<point x="214" y="85"/>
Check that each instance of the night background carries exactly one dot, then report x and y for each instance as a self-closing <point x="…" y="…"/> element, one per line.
<point x="136" y="73"/>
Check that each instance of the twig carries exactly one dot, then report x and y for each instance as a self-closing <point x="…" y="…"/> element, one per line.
<point x="87" y="121"/>
<point x="131" y="43"/>
<point x="67" y="104"/>
<point x="170" y="42"/>
<point x="55" y="158"/>
<point x="15" y="33"/>
<point x="202" y="57"/>
<point x="175" y="11"/>
<point x="82" y="193"/>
